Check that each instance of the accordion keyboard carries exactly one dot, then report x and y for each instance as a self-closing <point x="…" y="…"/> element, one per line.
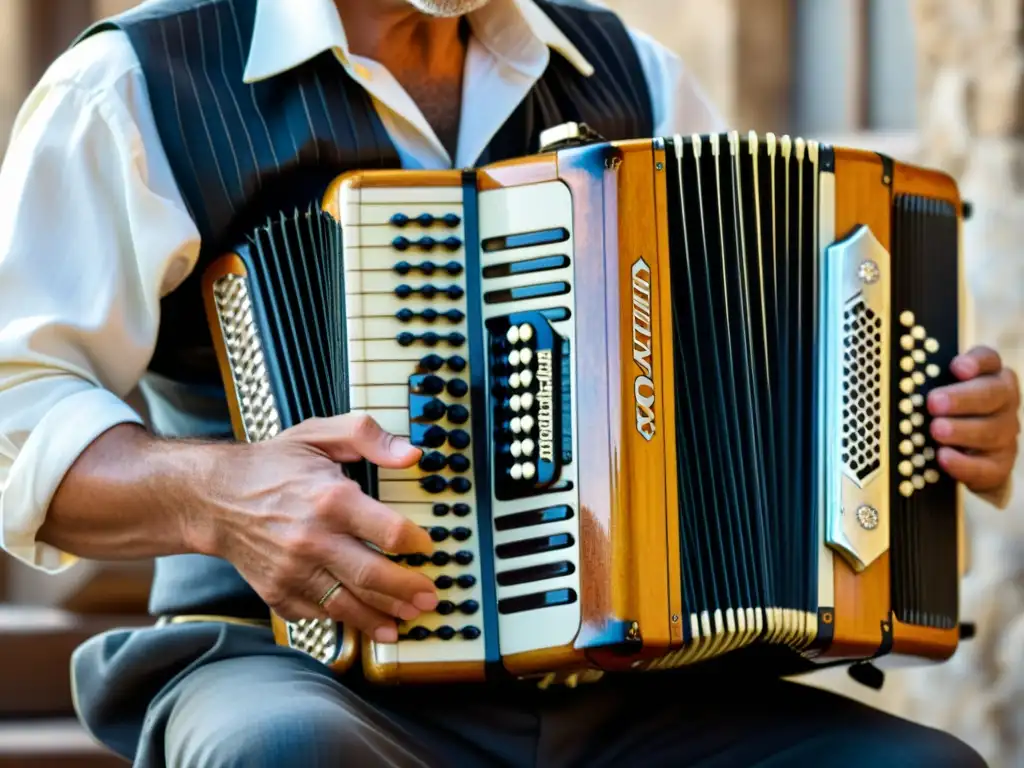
<point x="405" y="284"/>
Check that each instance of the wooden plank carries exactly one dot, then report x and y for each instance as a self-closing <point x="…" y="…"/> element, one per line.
<point x="38" y="643"/>
<point x="58" y="743"/>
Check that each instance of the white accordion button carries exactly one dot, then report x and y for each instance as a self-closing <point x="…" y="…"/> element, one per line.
<point x="529" y="470"/>
<point x="525" y="379"/>
<point x="516" y="449"/>
<point x="515" y="425"/>
<point x="525" y="332"/>
<point x="527" y="423"/>
<point x="516" y="471"/>
<point x="513" y="381"/>
<point x="513" y="357"/>
<point x="526" y="401"/>
<point x="514" y="404"/>
<point x="525" y="356"/>
<point x="513" y="335"/>
<point x="527" y="447"/>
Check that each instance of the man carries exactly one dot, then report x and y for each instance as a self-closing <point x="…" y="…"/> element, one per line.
<point x="153" y="145"/>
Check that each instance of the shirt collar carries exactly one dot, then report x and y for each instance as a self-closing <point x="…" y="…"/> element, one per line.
<point x="287" y="34"/>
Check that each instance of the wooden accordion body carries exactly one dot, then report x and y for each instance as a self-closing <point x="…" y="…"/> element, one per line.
<point x="670" y="393"/>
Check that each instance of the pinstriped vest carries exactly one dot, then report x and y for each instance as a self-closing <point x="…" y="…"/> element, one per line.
<point x="241" y="152"/>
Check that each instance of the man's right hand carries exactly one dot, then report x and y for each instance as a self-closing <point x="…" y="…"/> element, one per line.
<point x="293" y="525"/>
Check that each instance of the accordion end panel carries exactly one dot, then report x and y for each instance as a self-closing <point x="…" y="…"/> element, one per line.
<point x="894" y="516"/>
<point x="255" y="416"/>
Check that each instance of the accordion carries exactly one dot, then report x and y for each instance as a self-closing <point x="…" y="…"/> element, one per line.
<point x="671" y="397"/>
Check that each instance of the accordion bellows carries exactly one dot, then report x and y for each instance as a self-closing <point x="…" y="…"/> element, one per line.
<point x="671" y="396"/>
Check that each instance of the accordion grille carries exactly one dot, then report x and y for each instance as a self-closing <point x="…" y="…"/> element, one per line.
<point x="862" y="391"/>
<point x="261" y="421"/>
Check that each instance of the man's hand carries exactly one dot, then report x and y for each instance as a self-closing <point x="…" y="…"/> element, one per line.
<point x="292" y="524"/>
<point x="976" y="421"/>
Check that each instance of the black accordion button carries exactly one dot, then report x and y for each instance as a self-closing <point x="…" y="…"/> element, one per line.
<point x="403" y="291"/>
<point x="453" y="268"/>
<point x="458" y="439"/>
<point x="432" y="462"/>
<point x="460" y="485"/>
<point x="458" y="414"/>
<point x="440" y="510"/>
<point x="427" y="267"/>
<point x="428" y="315"/>
<point x="460" y="509"/>
<point x="466" y="581"/>
<point x="431" y="385"/>
<point x="438" y="533"/>
<point x="461" y="533"/>
<point x="454" y="315"/>
<point x="445" y="632"/>
<point x="434" y="410"/>
<point x="403" y="267"/>
<point x="431" y="363"/>
<point x="434" y="437"/>
<point x="400" y="243"/>
<point x="456" y="363"/>
<point x="425" y="219"/>
<point x="418" y="633"/>
<point x="433" y="484"/>
<point x="458" y="462"/>
<point x="399" y="220"/>
<point x="405" y="315"/>
<point x="444" y="582"/>
<point x="469" y="607"/>
<point x="457" y="388"/>
<point x="470" y="633"/>
<point x="463" y="557"/>
<point x="445" y="607"/>
<point x="452" y="243"/>
<point x="450" y="220"/>
<point x="440" y="558"/>
<point x="454" y="292"/>
<point x="416" y="560"/>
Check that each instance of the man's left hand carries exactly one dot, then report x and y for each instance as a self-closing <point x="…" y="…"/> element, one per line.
<point x="976" y="422"/>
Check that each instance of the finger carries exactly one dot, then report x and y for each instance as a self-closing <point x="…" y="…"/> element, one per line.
<point x="365" y="518"/>
<point x="978" y="361"/>
<point x="357" y="436"/>
<point x="979" y="434"/>
<point x="388" y="605"/>
<point x="977" y="397"/>
<point x="985" y="472"/>
<point x="361" y="568"/>
<point x="343" y="606"/>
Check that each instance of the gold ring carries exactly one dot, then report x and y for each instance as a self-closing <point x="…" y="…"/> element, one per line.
<point x="327" y="595"/>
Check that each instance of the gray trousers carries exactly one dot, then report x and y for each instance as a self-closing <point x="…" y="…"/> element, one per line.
<point x="213" y="696"/>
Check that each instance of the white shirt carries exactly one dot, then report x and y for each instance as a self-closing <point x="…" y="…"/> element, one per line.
<point x="93" y="229"/>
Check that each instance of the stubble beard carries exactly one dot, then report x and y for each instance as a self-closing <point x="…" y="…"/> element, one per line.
<point x="447" y="8"/>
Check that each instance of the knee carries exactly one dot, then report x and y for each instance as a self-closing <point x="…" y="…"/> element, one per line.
<point x="280" y="733"/>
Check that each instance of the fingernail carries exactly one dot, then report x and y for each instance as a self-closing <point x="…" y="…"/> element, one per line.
<point x="400" y="447"/>
<point x="425" y="601"/>
<point x="939" y="402"/>
<point x="941" y="428"/>
<point x="385" y="635"/>
<point x="408" y="612"/>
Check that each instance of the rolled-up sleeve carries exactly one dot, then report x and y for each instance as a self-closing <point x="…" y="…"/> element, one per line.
<point x="92" y="234"/>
